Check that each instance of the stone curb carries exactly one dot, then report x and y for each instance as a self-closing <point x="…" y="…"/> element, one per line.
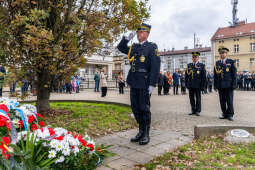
<point x="88" y="101"/>
<point x="201" y="131"/>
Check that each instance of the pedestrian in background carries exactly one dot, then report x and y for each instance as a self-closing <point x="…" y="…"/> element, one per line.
<point x="160" y="83"/>
<point x="121" y="83"/>
<point x="183" y="87"/>
<point x="103" y="83"/>
<point x="97" y="80"/>
<point x="176" y="83"/>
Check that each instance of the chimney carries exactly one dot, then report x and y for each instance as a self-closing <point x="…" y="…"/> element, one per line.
<point x="164" y="50"/>
<point x="186" y="47"/>
<point x="200" y="46"/>
<point x="172" y="49"/>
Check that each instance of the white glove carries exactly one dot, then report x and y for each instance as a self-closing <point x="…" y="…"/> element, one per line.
<point x="130" y="36"/>
<point x="151" y="88"/>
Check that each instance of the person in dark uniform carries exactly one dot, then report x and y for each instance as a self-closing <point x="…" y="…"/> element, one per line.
<point x="160" y="83"/>
<point x="225" y="80"/>
<point x="195" y="77"/>
<point x="142" y="78"/>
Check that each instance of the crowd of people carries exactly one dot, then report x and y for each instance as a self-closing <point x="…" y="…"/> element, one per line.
<point x="246" y="81"/>
<point x="176" y="81"/>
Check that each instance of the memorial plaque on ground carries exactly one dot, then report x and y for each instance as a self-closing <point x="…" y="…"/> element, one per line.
<point x="240" y="133"/>
<point x="239" y="136"/>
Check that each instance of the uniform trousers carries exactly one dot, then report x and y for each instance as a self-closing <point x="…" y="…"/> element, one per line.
<point x="195" y="99"/>
<point x="140" y="104"/>
<point x="226" y="101"/>
<point x="159" y="89"/>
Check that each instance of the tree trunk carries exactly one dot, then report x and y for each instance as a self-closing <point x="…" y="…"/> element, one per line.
<point x="43" y="92"/>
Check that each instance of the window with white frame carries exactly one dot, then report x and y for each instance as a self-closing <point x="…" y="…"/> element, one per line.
<point x="236" y="48"/>
<point x="252" y="46"/>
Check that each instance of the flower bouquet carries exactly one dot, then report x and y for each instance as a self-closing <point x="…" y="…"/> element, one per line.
<point x="27" y="142"/>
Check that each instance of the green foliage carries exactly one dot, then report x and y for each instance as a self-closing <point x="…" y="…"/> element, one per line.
<point x="51" y="38"/>
<point x="207" y="153"/>
<point x="92" y="118"/>
<point x="31" y="154"/>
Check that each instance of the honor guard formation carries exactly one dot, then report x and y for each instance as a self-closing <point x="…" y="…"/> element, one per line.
<point x="145" y="74"/>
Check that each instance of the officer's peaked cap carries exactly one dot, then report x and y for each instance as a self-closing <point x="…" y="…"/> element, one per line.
<point x="195" y="53"/>
<point x="144" y="27"/>
<point x="223" y="49"/>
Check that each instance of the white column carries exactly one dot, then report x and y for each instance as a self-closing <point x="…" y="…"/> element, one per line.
<point x="109" y="71"/>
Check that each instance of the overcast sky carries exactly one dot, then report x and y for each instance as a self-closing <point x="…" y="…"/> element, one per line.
<point x="175" y="21"/>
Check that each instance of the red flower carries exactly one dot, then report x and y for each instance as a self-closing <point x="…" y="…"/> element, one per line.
<point x="59" y="138"/>
<point x="34" y="127"/>
<point x="31" y="119"/>
<point x="83" y="142"/>
<point x="3" y="120"/>
<point x="3" y="146"/>
<point x="4" y="108"/>
<point x="39" y="115"/>
<point x="42" y="124"/>
<point x="91" y="146"/>
<point x="21" y="124"/>
<point x="52" y="132"/>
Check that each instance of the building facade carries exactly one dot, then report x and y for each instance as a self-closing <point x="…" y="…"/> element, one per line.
<point x="178" y="59"/>
<point x="94" y="64"/>
<point x="240" y="40"/>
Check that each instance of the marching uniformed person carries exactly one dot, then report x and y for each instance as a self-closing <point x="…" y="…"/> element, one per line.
<point x="142" y="78"/>
<point x="195" y="77"/>
<point x="225" y="80"/>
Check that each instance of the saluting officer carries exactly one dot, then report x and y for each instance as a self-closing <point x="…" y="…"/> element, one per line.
<point x="142" y="78"/>
<point x="195" y="77"/>
<point x="225" y="80"/>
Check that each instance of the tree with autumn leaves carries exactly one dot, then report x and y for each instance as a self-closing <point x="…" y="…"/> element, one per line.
<point x="49" y="38"/>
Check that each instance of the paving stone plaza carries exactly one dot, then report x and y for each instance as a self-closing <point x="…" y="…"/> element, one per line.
<point x="171" y="124"/>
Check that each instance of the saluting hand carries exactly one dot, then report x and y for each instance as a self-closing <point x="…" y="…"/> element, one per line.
<point x="130" y="36"/>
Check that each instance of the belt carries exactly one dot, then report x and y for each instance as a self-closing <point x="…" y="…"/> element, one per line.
<point x="139" y="70"/>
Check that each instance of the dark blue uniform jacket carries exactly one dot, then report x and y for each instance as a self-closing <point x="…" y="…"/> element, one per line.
<point x="225" y="74"/>
<point x="145" y="67"/>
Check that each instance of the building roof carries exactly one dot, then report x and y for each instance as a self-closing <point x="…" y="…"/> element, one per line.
<point x="186" y="51"/>
<point x="240" y="30"/>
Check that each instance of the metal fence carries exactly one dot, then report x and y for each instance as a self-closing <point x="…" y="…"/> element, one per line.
<point x="90" y="84"/>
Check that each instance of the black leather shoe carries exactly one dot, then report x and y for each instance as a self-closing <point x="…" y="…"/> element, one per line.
<point x="230" y="118"/>
<point x="192" y="113"/>
<point x="222" y="117"/>
<point x="197" y="114"/>
<point x="145" y="138"/>
<point x="138" y="136"/>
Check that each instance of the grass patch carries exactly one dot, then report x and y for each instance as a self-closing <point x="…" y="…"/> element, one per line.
<point x="207" y="153"/>
<point x="91" y="118"/>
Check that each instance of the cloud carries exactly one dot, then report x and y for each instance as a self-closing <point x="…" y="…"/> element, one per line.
<point x="174" y="22"/>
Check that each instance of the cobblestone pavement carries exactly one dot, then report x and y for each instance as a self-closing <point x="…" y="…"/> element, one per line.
<point x="171" y="124"/>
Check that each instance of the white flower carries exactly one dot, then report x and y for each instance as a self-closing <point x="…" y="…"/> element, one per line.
<point x="66" y="151"/>
<point x="53" y="143"/>
<point x="59" y="146"/>
<point x="61" y="159"/>
<point x="52" y="154"/>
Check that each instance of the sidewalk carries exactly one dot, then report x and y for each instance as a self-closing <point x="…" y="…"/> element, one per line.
<point x="128" y="154"/>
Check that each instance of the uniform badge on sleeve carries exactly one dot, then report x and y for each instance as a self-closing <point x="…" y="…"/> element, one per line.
<point x="198" y="72"/>
<point x="157" y="53"/>
<point x="142" y="58"/>
<point x="227" y="69"/>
